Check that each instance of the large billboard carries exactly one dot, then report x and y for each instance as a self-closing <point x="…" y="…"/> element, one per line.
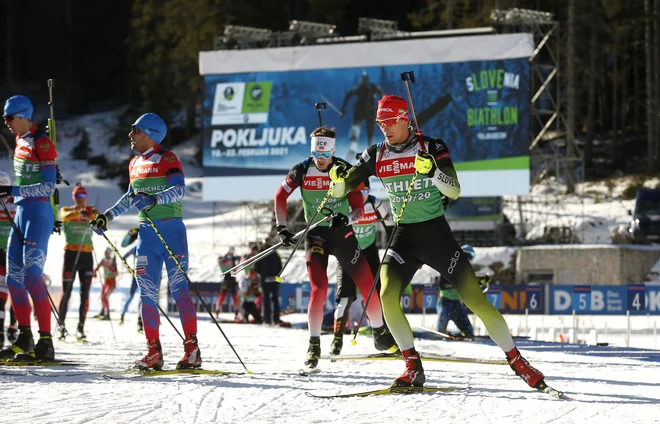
<point x="259" y="108"/>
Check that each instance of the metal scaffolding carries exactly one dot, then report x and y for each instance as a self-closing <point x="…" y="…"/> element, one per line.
<point x="236" y="37"/>
<point x="550" y="134"/>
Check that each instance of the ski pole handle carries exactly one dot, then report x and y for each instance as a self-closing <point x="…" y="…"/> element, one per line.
<point x="410" y="76"/>
<point x="319" y="106"/>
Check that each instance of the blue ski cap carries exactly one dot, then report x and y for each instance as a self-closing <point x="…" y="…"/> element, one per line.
<point x="19" y="106"/>
<point x="469" y="251"/>
<point x="152" y="125"/>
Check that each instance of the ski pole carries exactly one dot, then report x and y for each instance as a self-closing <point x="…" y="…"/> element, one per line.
<point x="259" y="256"/>
<point x="319" y="106"/>
<point x="405" y="76"/>
<point x="52" y="134"/>
<point x="410" y="76"/>
<point x="130" y="269"/>
<point x="18" y="233"/>
<point x="192" y="285"/>
<point x="278" y="277"/>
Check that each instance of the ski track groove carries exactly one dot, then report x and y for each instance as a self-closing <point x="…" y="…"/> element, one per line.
<point x="559" y="417"/>
<point x="266" y="402"/>
<point x="217" y="407"/>
<point x="599" y="412"/>
<point x="481" y="409"/>
<point x="199" y="405"/>
<point x="154" y="411"/>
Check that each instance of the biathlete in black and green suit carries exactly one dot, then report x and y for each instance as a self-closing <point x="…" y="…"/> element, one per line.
<point x="423" y="236"/>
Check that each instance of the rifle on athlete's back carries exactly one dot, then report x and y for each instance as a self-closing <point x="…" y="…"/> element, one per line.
<point x="52" y="134"/>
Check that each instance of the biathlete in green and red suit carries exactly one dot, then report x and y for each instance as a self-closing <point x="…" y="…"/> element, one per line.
<point x="336" y="238"/>
<point x="157" y="185"/>
<point x="423" y="235"/>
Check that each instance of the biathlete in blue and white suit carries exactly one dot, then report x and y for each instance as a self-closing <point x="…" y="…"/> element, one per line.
<point x="157" y="185"/>
<point x="36" y="173"/>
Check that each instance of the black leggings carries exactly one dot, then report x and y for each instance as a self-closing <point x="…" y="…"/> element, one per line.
<point x="85" y="268"/>
<point x="432" y="243"/>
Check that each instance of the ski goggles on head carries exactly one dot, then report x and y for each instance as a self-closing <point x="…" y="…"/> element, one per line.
<point x="388" y="122"/>
<point x="322" y="155"/>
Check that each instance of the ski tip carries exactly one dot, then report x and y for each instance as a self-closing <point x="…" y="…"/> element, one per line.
<point x="309" y="371"/>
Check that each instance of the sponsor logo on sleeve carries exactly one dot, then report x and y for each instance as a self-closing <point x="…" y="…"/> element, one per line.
<point x="396" y="256"/>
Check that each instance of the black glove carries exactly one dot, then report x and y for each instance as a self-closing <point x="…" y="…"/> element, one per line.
<point x="286" y="236"/>
<point x="445" y="201"/>
<point x="5" y="190"/>
<point x="99" y="223"/>
<point x="338" y="220"/>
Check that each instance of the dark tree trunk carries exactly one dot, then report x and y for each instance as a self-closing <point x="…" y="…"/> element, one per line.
<point x="651" y="160"/>
<point x="570" y="100"/>
<point x="591" y="101"/>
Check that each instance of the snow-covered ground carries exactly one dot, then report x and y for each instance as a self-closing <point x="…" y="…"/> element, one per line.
<point x="604" y="384"/>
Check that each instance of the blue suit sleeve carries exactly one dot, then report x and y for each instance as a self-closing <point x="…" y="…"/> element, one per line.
<point x="45" y="188"/>
<point x="122" y="205"/>
<point x="175" y="191"/>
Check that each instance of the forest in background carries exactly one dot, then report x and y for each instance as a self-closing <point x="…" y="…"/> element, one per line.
<point x="106" y="54"/>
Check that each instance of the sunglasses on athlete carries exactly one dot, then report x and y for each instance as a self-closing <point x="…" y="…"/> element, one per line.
<point x="388" y="122"/>
<point x="322" y="155"/>
<point x="136" y="130"/>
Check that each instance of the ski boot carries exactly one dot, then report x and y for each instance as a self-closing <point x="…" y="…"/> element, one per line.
<point x="12" y="334"/>
<point x="140" y="327"/>
<point x="121" y="319"/>
<point x="191" y="357"/>
<point x="80" y="333"/>
<point x="154" y="357"/>
<point x="105" y="317"/>
<point x="61" y="333"/>
<point x="413" y="376"/>
<point x="44" y="350"/>
<point x="313" y="352"/>
<point x="532" y="376"/>
<point x="383" y="339"/>
<point x="337" y="344"/>
<point x="2" y="339"/>
<point x="22" y="349"/>
<point x="100" y="315"/>
<point x="337" y="341"/>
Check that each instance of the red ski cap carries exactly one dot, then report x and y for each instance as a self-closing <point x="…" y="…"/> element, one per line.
<point x="79" y="192"/>
<point x="392" y="107"/>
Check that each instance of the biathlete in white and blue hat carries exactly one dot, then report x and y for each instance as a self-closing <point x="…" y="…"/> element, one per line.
<point x="336" y="238"/>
